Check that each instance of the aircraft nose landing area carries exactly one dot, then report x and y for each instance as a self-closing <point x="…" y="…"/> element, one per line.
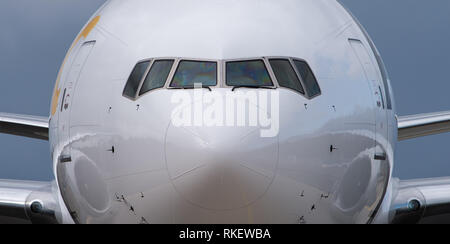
<point x="220" y="168"/>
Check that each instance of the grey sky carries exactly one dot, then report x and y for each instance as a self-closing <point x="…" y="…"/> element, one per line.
<point x="412" y="36"/>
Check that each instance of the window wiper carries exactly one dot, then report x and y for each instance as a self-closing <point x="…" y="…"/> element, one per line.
<point x="193" y="87"/>
<point x="256" y="87"/>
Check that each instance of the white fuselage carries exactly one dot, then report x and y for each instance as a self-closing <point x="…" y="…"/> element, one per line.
<point x="120" y="160"/>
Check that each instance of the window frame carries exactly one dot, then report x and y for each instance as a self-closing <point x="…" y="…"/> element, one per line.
<point x="148" y="72"/>
<point x="266" y="63"/>
<point x="221" y="75"/>
<point x="176" y="65"/>
<point x="291" y="62"/>
<point x="150" y="60"/>
<point x="301" y="78"/>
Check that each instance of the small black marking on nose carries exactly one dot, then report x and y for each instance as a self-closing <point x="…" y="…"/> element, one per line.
<point x="324" y="196"/>
<point x="65" y="159"/>
<point x="113" y="149"/>
<point x="306" y="106"/>
<point x="334" y="108"/>
<point x="124" y="200"/>
<point x="313" y="207"/>
<point x="118" y="198"/>
<point x="303" y="194"/>
<point x="144" y="221"/>
<point x="332" y="148"/>
<point x="142" y="195"/>
<point x="301" y="220"/>
<point x="138" y="106"/>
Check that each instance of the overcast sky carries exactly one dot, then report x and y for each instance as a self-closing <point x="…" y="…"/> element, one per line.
<point x="413" y="37"/>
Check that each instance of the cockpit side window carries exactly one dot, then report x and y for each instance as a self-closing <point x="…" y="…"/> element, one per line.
<point x="380" y="62"/>
<point x="309" y="80"/>
<point x="384" y="76"/>
<point x="285" y="74"/>
<point x="135" y="79"/>
<point x="157" y="76"/>
<point x="251" y="73"/>
<point x="190" y="73"/>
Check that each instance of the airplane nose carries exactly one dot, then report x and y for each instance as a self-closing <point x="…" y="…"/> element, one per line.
<point x="220" y="168"/>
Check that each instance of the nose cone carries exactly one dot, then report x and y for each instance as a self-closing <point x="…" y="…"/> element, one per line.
<point x="220" y="168"/>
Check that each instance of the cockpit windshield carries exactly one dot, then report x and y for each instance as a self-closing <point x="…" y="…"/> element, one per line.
<point x="251" y="73"/>
<point x="254" y="73"/>
<point x="190" y="73"/>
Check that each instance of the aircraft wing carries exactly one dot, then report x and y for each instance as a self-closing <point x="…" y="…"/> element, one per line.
<point x="420" y="125"/>
<point x="24" y="125"/>
<point x="27" y="201"/>
<point x="421" y="200"/>
<point x="24" y="202"/>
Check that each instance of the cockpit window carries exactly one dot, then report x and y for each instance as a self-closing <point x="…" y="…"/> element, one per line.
<point x="248" y="73"/>
<point x="380" y="62"/>
<point x="285" y="74"/>
<point x="190" y="73"/>
<point x="311" y="85"/>
<point x="259" y="73"/>
<point x="157" y="76"/>
<point x="135" y="78"/>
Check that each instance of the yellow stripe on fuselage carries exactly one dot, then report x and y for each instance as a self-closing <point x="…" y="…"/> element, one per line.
<point x="84" y="34"/>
